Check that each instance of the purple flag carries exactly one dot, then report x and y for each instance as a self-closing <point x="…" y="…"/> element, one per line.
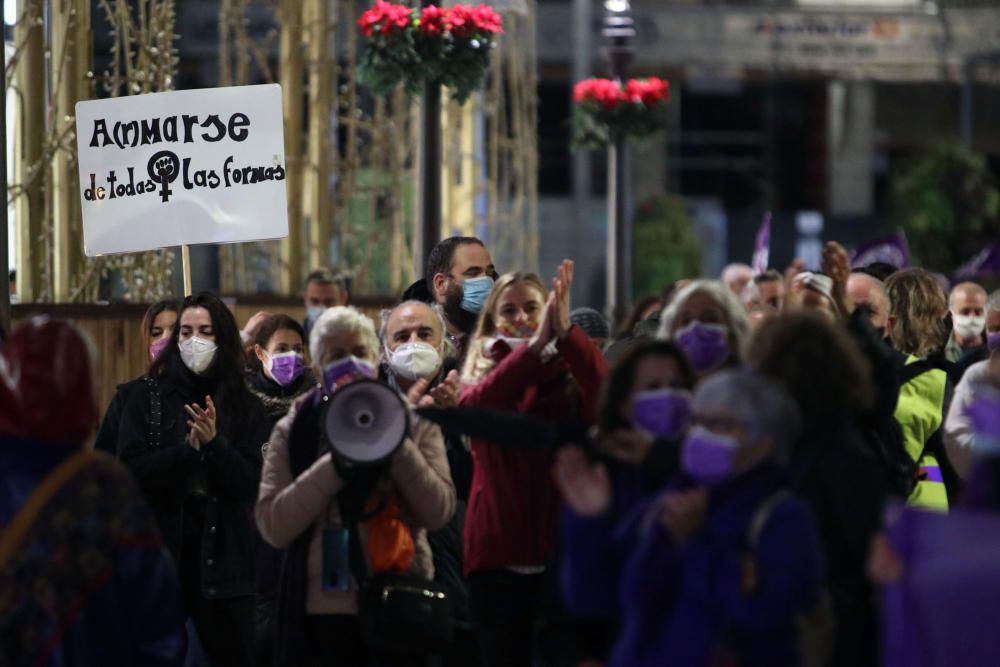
<point x="889" y="249"/>
<point x="762" y="247"/>
<point x="986" y="264"/>
<point x="943" y="611"/>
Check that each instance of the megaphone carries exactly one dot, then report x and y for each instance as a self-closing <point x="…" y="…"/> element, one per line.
<point x="364" y="422"/>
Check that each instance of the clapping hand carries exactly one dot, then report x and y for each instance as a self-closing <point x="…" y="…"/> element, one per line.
<point x="837" y="264"/>
<point x="202" y="423"/>
<point x="555" y="316"/>
<point x="585" y="487"/>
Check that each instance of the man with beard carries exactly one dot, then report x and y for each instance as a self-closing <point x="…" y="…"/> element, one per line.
<point x="460" y="275"/>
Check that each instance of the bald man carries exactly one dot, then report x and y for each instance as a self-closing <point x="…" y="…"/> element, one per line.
<point x="868" y="292"/>
<point x="967" y="303"/>
<point x="736" y="277"/>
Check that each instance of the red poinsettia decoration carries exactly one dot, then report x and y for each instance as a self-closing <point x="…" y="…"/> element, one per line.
<point x="433" y="21"/>
<point x="606" y="110"/>
<point x="447" y="46"/>
<point x="385" y="18"/>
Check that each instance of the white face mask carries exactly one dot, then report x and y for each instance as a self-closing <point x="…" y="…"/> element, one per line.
<point x="414" y="361"/>
<point x="197" y="353"/>
<point x="969" y="326"/>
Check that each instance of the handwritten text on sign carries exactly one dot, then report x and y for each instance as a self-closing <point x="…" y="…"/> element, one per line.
<point x="167" y="169"/>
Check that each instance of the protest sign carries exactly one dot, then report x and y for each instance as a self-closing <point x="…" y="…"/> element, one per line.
<point x="185" y="167"/>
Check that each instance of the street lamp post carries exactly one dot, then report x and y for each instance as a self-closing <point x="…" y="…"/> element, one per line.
<point x="618" y="32"/>
<point x="428" y="232"/>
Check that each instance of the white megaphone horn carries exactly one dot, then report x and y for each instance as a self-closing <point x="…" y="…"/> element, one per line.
<point x="364" y="422"/>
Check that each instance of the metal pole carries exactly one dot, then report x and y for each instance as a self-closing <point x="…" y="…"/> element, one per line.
<point x="966" y="103"/>
<point x="582" y="57"/>
<point x="429" y="224"/>
<point x="619" y="30"/>
<point x="4" y="241"/>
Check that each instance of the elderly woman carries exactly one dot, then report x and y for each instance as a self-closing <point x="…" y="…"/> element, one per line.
<point x="709" y="323"/>
<point x="301" y="491"/>
<point x="717" y="568"/>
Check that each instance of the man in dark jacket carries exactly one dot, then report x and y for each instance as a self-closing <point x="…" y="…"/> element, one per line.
<point x="460" y="275"/>
<point x="413" y="342"/>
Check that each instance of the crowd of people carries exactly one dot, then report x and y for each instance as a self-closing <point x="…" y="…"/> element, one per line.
<point x="706" y="485"/>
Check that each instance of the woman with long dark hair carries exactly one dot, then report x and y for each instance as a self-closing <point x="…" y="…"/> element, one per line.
<point x="192" y="435"/>
<point x="156" y="329"/>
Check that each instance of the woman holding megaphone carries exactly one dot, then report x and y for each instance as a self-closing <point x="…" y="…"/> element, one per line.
<point x="340" y="522"/>
<point x="525" y="357"/>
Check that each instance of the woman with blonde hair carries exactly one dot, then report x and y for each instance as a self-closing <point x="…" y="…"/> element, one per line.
<point x="525" y="357"/>
<point x="918" y="330"/>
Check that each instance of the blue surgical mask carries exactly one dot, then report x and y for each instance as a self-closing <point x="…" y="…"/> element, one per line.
<point x="313" y="313"/>
<point x="475" y="292"/>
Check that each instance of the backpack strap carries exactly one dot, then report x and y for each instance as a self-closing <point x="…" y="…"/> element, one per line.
<point x="762" y="515"/>
<point x="914" y="370"/>
<point x="14" y="533"/>
<point x="155" y="412"/>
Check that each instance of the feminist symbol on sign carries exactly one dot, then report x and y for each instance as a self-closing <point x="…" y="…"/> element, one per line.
<point x="164" y="168"/>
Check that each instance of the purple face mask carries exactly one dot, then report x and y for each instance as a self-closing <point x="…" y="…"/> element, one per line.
<point x="707" y="456"/>
<point x="663" y="412"/>
<point x="287" y="367"/>
<point x="993" y="340"/>
<point x="346" y="370"/>
<point x="706" y="345"/>
<point x="156" y="348"/>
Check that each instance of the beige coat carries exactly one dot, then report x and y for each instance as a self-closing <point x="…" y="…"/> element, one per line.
<point x="287" y="507"/>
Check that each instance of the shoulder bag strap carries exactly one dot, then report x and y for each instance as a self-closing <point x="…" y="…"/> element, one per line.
<point x="15" y="532"/>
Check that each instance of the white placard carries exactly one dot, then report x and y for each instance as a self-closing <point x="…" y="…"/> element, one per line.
<point x="187" y="167"/>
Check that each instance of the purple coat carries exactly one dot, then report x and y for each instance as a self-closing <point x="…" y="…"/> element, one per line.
<point x="683" y="605"/>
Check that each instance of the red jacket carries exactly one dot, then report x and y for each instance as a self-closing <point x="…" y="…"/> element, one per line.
<point x="513" y="512"/>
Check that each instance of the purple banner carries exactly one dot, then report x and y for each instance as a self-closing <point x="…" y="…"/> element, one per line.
<point x="942" y="612"/>
<point x="762" y="247"/>
<point x="986" y="264"/>
<point x="892" y="250"/>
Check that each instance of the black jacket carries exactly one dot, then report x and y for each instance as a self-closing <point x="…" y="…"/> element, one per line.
<point x="107" y="435"/>
<point x="210" y="493"/>
<point x="836" y="473"/>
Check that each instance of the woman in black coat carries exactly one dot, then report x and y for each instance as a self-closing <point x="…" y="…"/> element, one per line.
<point x="192" y="436"/>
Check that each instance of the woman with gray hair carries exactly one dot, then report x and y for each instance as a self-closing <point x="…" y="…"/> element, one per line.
<point x="303" y="505"/>
<point x="718" y="566"/>
<point x="709" y="323"/>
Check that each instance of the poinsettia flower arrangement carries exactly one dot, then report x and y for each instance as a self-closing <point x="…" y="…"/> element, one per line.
<point x="605" y="110"/>
<point x="446" y="45"/>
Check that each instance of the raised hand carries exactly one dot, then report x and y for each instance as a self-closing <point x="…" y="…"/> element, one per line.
<point x="561" y="286"/>
<point x="418" y="396"/>
<point x="585" y="487"/>
<point x="445" y="395"/>
<point x="540" y="340"/>
<point x="837" y="264"/>
<point x="202" y="423"/>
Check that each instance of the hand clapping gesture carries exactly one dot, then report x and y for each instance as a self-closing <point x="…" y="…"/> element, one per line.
<point x="555" y="317"/>
<point x="202" y="423"/>
<point x="585" y="487"/>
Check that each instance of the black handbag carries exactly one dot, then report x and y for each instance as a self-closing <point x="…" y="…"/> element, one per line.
<point x="400" y="613"/>
<point x="405" y="614"/>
